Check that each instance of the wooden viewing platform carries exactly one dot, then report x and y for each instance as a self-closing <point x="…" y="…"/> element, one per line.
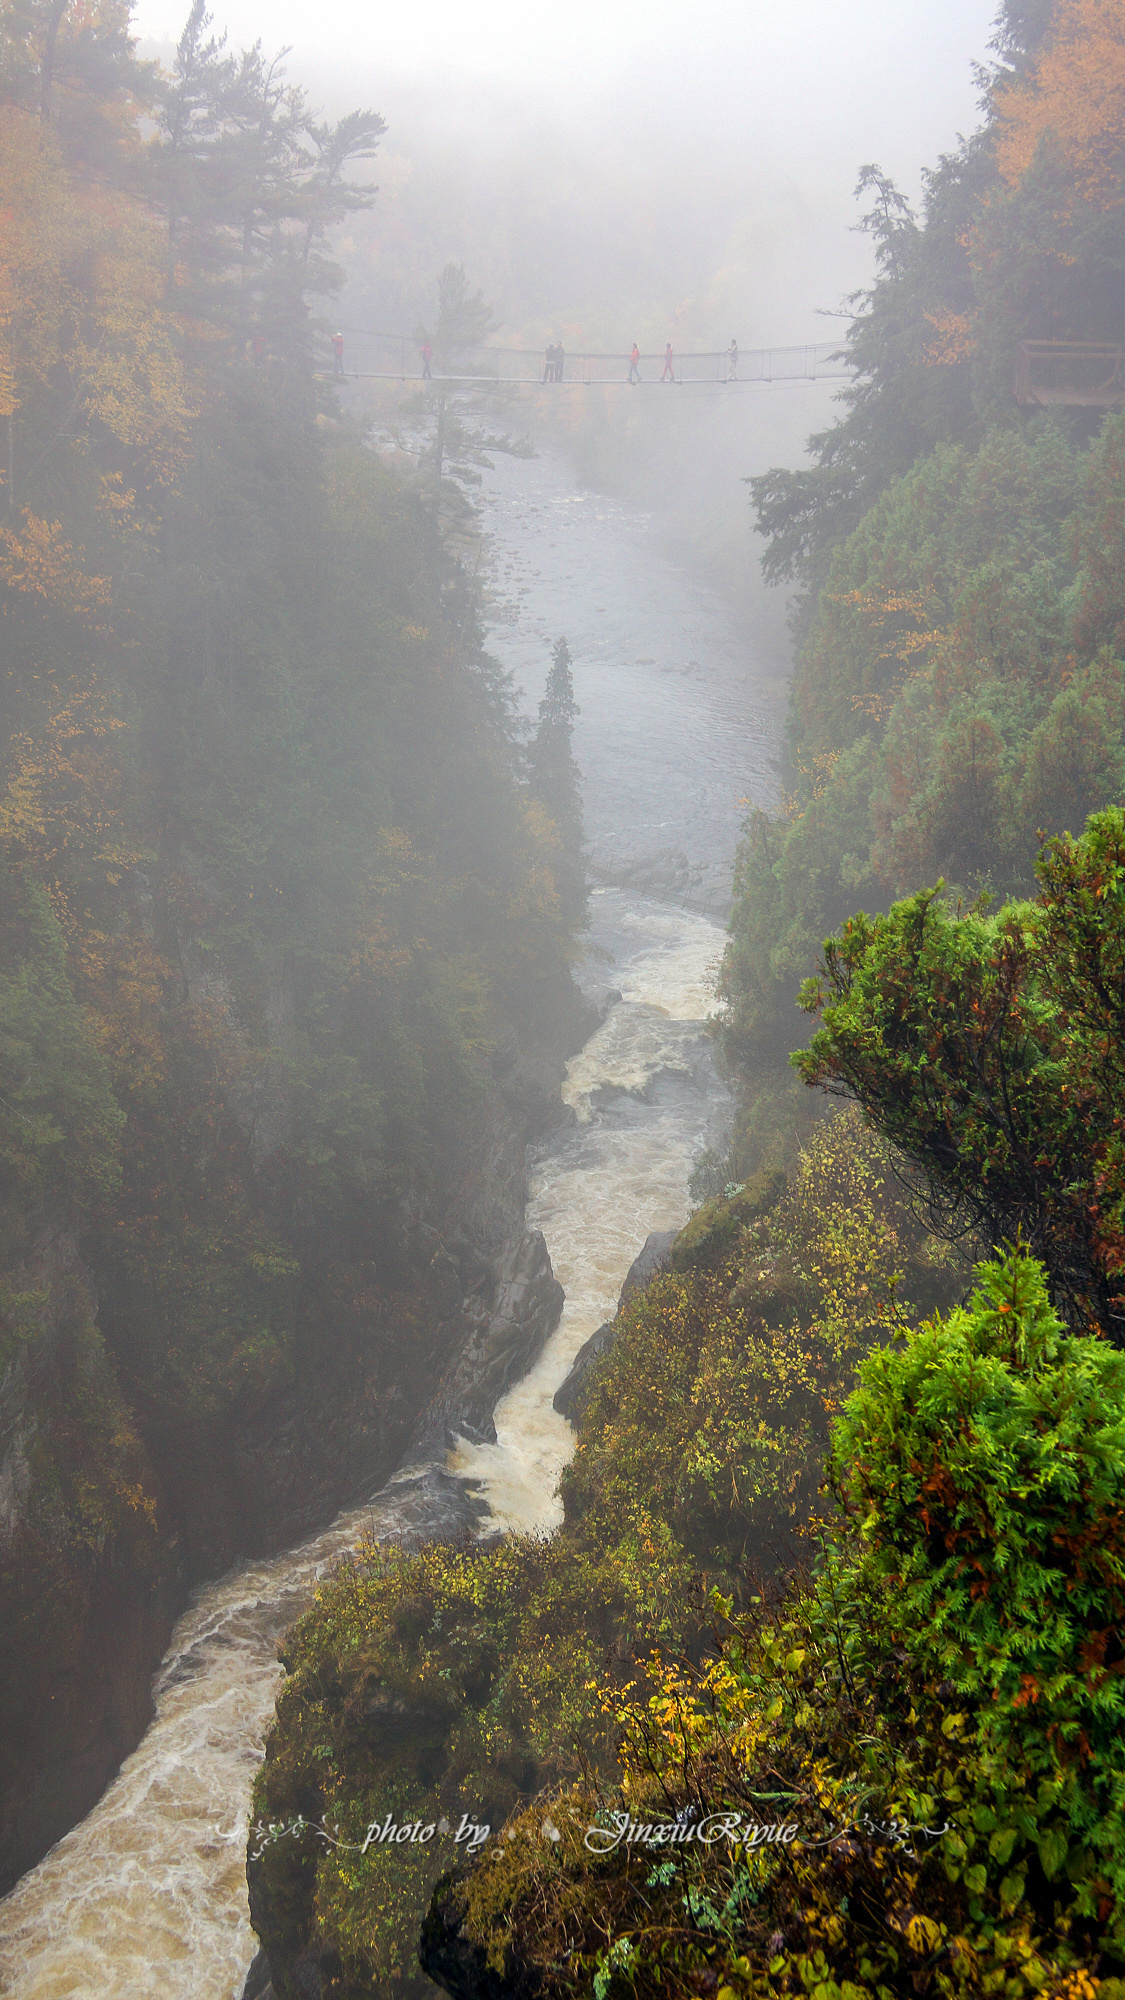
<point x="1070" y="374"/>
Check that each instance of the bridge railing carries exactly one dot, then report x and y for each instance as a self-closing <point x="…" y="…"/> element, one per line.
<point x="395" y="356"/>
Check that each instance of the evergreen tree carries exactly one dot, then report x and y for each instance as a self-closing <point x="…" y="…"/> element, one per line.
<point x="251" y="186"/>
<point x="555" y="779"/>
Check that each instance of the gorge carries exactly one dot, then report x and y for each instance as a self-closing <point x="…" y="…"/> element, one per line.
<point x="677" y="725"/>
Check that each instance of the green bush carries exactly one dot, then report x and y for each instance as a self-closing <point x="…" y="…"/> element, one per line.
<point x="983" y="1465"/>
<point x="937" y="1710"/>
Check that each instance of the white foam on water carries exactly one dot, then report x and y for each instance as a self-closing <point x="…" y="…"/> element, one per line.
<point x="146" y="1898"/>
<point x="597" y="1198"/>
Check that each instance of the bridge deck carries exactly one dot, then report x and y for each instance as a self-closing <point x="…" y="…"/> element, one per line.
<point x="581" y="381"/>
<point x="395" y="357"/>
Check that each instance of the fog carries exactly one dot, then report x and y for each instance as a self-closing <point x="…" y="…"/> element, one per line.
<point x="411" y="858"/>
<point x="635" y="173"/>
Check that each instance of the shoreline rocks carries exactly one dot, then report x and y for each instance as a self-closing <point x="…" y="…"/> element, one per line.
<point x="570" y="1397"/>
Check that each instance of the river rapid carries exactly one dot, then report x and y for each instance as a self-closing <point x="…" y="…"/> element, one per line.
<point x="147" y="1896"/>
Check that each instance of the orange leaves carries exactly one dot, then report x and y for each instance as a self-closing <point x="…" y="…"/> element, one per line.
<point x="817" y="772"/>
<point x="123" y="979"/>
<point x="60" y="807"/>
<point x="126" y="355"/>
<point x="82" y="293"/>
<point x="38" y="560"/>
<point x="896" y="620"/>
<point x="1075" y="96"/>
<point x="954" y="340"/>
<point x="378" y="954"/>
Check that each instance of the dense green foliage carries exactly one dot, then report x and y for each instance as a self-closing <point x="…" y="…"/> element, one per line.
<point x="273" y="885"/>
<point x="943" y="712"/>
<point x="936" y="1711"/>
<point x="959" y="689"/>
<point x="555" y="780"/>
<point x="991" y="1049"/>
<point x="935" y="1705"/>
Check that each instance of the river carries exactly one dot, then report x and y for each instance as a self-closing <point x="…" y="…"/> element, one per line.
<point x="147" y="1896"/>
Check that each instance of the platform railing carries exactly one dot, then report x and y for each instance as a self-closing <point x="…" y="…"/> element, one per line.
<point x="1070" y="374"/>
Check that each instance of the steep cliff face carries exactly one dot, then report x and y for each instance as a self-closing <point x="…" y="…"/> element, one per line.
<point x="90" y="1576"/>
<point x="111" y="1506"/>
<point x="409" y="1328"/>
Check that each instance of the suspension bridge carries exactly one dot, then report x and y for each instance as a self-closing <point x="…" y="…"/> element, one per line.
<point x="397" y="357"/>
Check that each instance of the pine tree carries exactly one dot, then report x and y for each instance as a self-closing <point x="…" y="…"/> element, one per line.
<point x="554" y="780"/>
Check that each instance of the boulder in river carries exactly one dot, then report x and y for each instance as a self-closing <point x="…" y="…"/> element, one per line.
<point x="651" y="1258"/>
<point x="570" y="1396"/>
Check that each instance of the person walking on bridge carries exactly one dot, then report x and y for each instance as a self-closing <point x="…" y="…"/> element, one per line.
<point x="634" y="364"/>
<point x="732" y="362"/>
<point x="669" y="374"/>
<point x="427" y="357"/>
<point x="338" y="352"/>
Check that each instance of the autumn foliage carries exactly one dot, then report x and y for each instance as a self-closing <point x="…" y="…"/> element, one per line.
<point x="272" y="888"/>
<point x="1072" y="98"/>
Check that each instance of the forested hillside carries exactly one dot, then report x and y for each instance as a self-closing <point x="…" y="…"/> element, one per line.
<point x="958" y="688"/>
<point x="278" y="904"/>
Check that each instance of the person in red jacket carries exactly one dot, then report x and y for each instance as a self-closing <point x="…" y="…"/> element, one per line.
<point x="634" y="361"/>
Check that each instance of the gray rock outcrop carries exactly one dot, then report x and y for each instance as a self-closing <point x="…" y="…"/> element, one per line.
<point x="508" y="1337"/>
<point x="651" y="1258"/>
<point x="570" y="1396"/>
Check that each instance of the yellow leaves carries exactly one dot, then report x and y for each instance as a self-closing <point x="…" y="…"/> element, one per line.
<point x="32" y="222"/>
<point x="123" y="979"/>
<point x="127" y="358"/>
<point x="954" y="340"/>
<point x="82" y="294"/>
<point x="9" y="401"/>
<point x="1076" y="95"/>
<point x="886" y="615"/>
<point x="818" y="774"/>
<point x="39" y="561"/>
<point x="923" y="1935"/>
<point x="61" y="796"/>
<point x="22" y="815"/>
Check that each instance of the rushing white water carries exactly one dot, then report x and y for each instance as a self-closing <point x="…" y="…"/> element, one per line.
<point x="147" y="1896"/>
<point x="646" y="1099"/>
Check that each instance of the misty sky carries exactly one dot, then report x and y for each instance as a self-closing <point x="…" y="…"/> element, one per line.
<point x="641" y="170"/>
<point x="894" y="74"/>
<point x="626" y="170"/>
<point x="917" y="50"/>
